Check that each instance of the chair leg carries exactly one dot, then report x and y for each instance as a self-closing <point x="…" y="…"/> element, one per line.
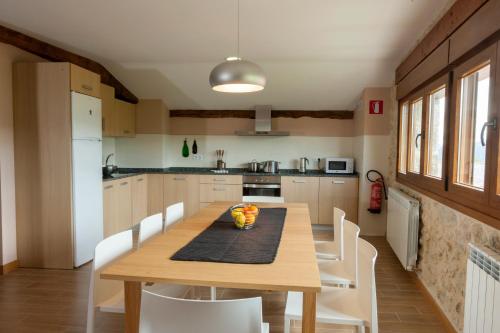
<point x="213" y="293"/>
<point x="287" y="325"/>
<point x="361" y="329"/>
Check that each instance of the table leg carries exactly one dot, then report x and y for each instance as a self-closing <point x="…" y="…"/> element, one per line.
<point x="132" y="306"/>
<point x="309" y="313"/>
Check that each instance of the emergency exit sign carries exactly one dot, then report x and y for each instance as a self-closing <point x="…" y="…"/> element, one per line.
<point x="376" y="107"/>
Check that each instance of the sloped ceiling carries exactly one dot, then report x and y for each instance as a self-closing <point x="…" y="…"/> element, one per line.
<point x="317" y="54"/>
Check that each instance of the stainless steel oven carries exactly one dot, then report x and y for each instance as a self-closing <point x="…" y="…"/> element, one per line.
<point x="262" y="186"/>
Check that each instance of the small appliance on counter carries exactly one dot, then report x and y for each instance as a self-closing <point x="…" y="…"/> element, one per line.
<point x="303" y="164"/>
<point x="337" y="165"/>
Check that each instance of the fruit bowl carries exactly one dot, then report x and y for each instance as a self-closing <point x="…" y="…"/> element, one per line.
<point x="244" y="215"/>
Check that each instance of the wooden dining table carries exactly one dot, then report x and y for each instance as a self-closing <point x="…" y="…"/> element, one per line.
<point x="294" y="268"/>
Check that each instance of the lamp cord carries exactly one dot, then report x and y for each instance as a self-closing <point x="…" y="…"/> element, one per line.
<point x="238" y="30"/>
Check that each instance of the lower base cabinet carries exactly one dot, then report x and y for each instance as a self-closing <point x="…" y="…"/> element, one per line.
<point x="302" y="189"/>
<point x="139" y="198"/>
<point x="340" y="192"/>
<point x="125" y="203"/>
<point x="155" y="194"/>
<point x="185" y="188"/>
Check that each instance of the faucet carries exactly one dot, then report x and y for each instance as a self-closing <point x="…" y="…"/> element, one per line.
<point x="107" y="158"/>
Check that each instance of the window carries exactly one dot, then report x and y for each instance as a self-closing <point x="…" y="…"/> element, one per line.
<point x="403" y="138"/>
<point x="449" y="139"/>
<point x="435" y="133"/>
<point x="473" y="107"/>
<point x="415" y="135"/>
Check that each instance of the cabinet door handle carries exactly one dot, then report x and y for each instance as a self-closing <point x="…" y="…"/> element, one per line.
<point x="299" y="181"/>
<point x="108" y="187"/>
<point x="219" y="180"/>
<point x="338" y="182"/>
<point x="176" y="178"/>
<point x="140" y="179"/>
<point x="219" y="189"/>
<point x="87" y="87"/>
<point x="124" y="183"/>
<point x="126" y="131"/>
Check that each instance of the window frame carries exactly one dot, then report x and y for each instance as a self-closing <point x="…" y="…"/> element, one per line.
<point x="486" y="208"/>
<point x="436" y="184"/>
<point x="475" y="198"/>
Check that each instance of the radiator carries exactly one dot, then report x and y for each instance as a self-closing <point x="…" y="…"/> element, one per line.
<point x="402" y="227"/>
<point x="482" y="291"/>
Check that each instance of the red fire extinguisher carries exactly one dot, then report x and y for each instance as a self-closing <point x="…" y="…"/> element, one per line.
<point x="378" y="185"/>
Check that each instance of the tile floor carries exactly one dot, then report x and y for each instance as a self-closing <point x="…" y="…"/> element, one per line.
<point x="35" y="300"/>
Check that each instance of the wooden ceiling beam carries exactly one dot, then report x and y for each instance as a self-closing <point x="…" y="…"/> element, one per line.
<point x="250" y="114"/>
<point x="54" y="53"/>
<point x="458" y="13"/>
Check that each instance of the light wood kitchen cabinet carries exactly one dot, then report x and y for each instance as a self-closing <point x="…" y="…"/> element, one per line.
<point x="221" y="179"/>
<point x="155" y="194"/>
<point x="220" y="188"/>
<point x="110" y="209"/>
<point x="85" y="81"/>
<point x="139" y="198"/>
<point x="340" y="192"/>
<point x="125" y="115"/>
<point x="108" y="110"/>
<point x="214" y="192"/>
<point x="124" y="200"/>
<point x="302" y="189"/>
<point x="185" y="188"/>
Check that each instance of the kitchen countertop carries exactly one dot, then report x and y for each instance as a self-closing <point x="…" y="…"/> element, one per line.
<point x="129" y="172"/>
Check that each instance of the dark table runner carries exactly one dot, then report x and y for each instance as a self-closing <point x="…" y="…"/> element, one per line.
<point x="223" y="242"/>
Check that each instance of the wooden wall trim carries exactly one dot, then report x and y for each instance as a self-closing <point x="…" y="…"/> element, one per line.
<point x="459" y="12"/>
<point x="9" y="267"/>
<point x="54" y="53"/>
<point x="250" y="114"/>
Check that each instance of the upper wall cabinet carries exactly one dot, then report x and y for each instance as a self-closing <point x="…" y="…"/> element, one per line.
<point x="85" y="81"/>
<point x="108" y="110"/>
<point x="125" y="115"/>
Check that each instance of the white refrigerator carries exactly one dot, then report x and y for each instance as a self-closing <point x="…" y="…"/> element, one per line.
<point x="87" y="176"/>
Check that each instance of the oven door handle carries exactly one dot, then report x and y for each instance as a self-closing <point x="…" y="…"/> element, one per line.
<point x="261" y="186"/>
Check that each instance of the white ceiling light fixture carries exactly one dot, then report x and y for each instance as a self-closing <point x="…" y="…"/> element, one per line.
<point x="236" y="75"/>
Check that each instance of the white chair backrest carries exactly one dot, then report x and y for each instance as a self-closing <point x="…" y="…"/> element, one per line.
<point x="174" y="213"/>
<point x="263" y="199"/>
<point x="161" y="314"/>
<point x="107" y="251"/>
<point x="350" y="262"/>
<point x="338" y="231"/>
<point x="367" y="291"/>
<point x="150" y="226"/>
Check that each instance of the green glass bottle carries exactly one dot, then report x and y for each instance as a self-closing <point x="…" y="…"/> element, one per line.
<point x="185" y="149"/>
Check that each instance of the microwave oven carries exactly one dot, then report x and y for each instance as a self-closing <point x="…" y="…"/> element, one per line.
<point x="338" y="165"/>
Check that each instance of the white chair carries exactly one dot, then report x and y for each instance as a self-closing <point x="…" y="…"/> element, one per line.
<point x="107" y="295"/>
<point x="263" y="199"/>
<point x="149" y="227"/>
<point x="345" y="272"/>
<point x="160" y="314"/>
<point x="333" y="250"/>
<point x="173" y="214"/>
<point x="356" y="307"/>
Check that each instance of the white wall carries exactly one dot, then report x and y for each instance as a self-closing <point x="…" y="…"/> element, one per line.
<point x="142" y="151"/>
<point x="373" y="152"/>
<point x="240" y="150"/>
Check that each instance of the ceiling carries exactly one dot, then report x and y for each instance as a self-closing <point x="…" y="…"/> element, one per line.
<point x="317" y="54"/>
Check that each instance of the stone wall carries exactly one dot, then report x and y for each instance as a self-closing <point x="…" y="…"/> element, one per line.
<point x="444" y="235"/>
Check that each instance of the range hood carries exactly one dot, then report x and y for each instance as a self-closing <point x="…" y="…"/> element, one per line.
<point x="262" y="124"/>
